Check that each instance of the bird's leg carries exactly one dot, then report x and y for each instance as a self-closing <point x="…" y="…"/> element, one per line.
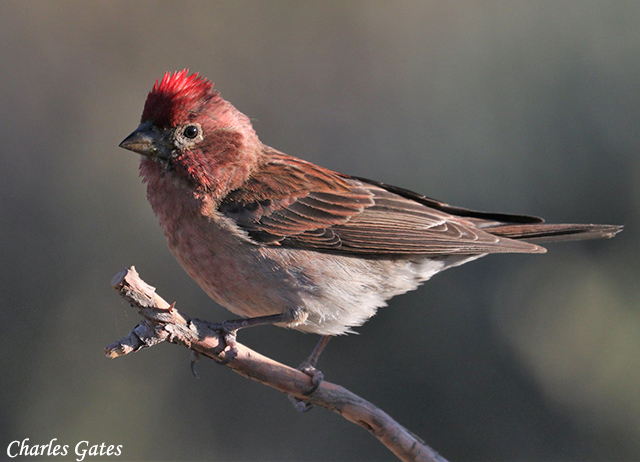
<point x="229" y="329"/>
<point x="308" y="366"/>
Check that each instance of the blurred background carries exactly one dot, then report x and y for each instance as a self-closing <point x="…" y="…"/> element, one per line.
<point x="509" y="106"/>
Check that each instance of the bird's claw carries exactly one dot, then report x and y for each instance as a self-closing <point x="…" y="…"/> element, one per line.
<point x="300" y="405"/>
<point x="195" y="357"/>
<point x="229" y="350"/>
<point x="316" y="379"/>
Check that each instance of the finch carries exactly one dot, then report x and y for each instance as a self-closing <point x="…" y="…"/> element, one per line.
<point x="278" y="240"/>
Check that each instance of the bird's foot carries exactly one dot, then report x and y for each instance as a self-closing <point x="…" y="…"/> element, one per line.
<point x="227" y="349"/>
<point x="316" y="376"/>
<point x="300" y="405"/>
<point x="316" y="379"/>
<point x="228" y="330"/>
<point x="309" y="368"/>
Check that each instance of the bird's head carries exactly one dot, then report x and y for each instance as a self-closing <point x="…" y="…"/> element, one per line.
<point x="189" y="130"/>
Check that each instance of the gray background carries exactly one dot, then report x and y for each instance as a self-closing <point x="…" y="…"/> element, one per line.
<point x="523" y="107"/>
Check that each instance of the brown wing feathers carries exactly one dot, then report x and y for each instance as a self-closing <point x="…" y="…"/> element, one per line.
<point x="542" y="233"/>
<point x="317" y="209"/>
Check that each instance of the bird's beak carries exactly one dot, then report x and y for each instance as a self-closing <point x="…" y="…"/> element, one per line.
<point x="146" y="141"/>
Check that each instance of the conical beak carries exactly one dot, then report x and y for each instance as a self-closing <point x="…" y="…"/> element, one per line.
<point x="145" y="141"/>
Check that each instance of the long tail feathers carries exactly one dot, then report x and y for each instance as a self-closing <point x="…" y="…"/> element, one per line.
<point x="540" y="233"/>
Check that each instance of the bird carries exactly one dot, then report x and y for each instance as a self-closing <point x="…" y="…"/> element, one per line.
<point x="279" y="240"/>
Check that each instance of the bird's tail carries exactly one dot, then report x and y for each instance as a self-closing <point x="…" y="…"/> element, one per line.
<point x="540" y="233"/>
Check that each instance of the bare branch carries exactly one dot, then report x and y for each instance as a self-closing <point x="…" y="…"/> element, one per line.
<point x="162" y="322"/>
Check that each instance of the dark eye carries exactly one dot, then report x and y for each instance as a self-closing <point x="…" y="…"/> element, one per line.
<point x="190" y="131"/>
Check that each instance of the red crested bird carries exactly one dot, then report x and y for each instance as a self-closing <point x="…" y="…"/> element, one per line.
<point x="278" y="240"/>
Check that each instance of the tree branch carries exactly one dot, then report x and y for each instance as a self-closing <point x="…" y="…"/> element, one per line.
<point x="162" y="322"/>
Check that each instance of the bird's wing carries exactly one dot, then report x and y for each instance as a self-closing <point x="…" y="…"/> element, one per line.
<point x="295" y="204"/>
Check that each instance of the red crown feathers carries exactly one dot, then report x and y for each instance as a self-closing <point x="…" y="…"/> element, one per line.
<point x="174" y="96"/>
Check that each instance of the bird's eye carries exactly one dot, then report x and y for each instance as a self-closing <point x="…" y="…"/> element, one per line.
<point x="190" y="131"/>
